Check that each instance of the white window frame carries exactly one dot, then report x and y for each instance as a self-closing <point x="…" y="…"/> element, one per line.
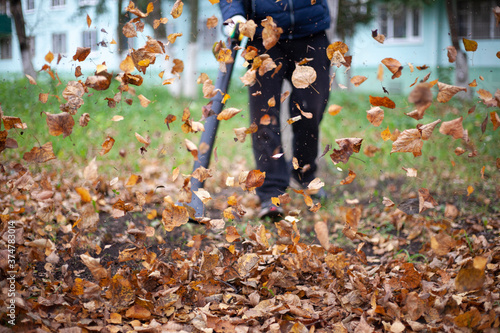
<point x="57" y="4"/>
<point x="30" y="6"/>
<point x="5" y="8"/>
<point x="82" y="3"/>
<point x="492" y="24"/>
<point x="62" y="48"/>
<point x="89" y="39"/>
<point x="410" y="36"/>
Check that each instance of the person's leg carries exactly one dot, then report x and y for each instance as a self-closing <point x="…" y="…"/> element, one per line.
<point x="312" y="100"/>
<point x="266" y="142"/>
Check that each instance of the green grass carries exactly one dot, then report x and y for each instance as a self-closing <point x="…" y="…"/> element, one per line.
<point x="20" y="99"/>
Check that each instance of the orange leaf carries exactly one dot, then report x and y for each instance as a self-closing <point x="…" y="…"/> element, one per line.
<point x="321" y="230"/>
<point x="107" y="145"/>
<point x="49" y="57"/>
<point x="271" y="32"/>
<point x="334" y="109"/>
<point x="89" y="21"/>
<point x="212" y="22"/>
<point x="470" y="45"/>
<point x="228" y="113"/>
<point x="394" y="66"/>
<point x="31" y="79"/>
<point x="382" y="101"/>
<point x="84" y="194"/>
<point x="174" y="216"/>
<point x="495" y="119"/>
<point x="348" y="146"/>
<point x="337" y="46"/>
<point x="358" y="79"/>
<point x="409" y="141"/>
<point x="446" y="92"/>
<point x="452" y="54"/>
<point x="349" y="179"/>
<point x="255" y="178"/>
<point x="470" y="189"/>
<point x="425" y="200"/>
<point x="232" y="234"/>
<point x="386" y="134"/>
<point x="248" y="28"/>
<point x="177" y="9"/>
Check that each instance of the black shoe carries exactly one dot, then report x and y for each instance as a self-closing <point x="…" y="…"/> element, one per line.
<point x="268" y="210"/>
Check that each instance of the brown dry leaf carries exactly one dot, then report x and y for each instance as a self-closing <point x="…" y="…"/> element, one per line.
<point x="172" y="37"/>
<point x="212" y="22"/>
<point x="84" y="119"/>
<point x="303" y="76"/>
<point x="349" y="179"/>
<point x="380" y="73"/>
<point x="143" y="100"/>
<point x="410" y="278"/>
<point x="425" y="200"/>
<point x="453" y="127"/>
<point x="174" y="216"/>
<point x="93" y="264"/>
<point x="61" y="123"/>
<point x="271" y="32"/>
<point x="452" y="54"/>
<point x="267" y="65"/>
<point x="352" y="217"/>
<point x="495" y="120"/>
<point x="43" y="97"/>
<point x="375" y="116"/>
<point x="203" y="194"/>
<point x="255" y="178"/>
<point x="409" y="141"/>
<point x="138" y="312"/>
<point x="470" y="45"/>
<point x="248" y="28"/>
<point x="133" y="180"/>
<point x="459" y="151"/>
<point x="99" y="82"/>
<point x="473" y="83"/>
<point x="388" y="202"/>
<point x="334" y="109"/>
<point x="107" y="145"/>
<point x="394" y="66"/>
<point x="421" y="96"/>
<point x="249" y="78"/>
<point x="40" y="154"/>
<point x="321" y="230"/>
<point x="84" y="194"/>
<point x="446" y="92"/>
<point x="358" y="79"/>
<point x="178" y="66"/>
<point x="81" y="53"/>
<point x="12" y="122"/>
<point x="127" y="65"/>
<point x="469" y="319"/>
<point x="471" y="276"/>
<point x="228" y="113"/>
<point x="382" y="101"/>
<point x="410" y="172"/>
<point x="427" y="129"/>
<point x="177" y="9"/>
<point x="348" y="146"/>
<point x="191" y="147"/>
<point x="442" y="244"/>
<point x="378" y="37"/>
<point x="129" y="30"/>
<point x="31" y="79"/>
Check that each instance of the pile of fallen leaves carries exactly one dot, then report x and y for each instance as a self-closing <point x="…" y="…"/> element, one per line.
<point x="92" y="254"/>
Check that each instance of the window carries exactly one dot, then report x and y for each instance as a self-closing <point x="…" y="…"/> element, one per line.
<point x="476" y="19"/>
<point x="6" y="47"/>
<point x="89" y="39"/>
<point x="57" y="3"/>
<point x="30" y="5"/>
<point x="5" y="7"/>
<point x="401" y="23"/>
<point x="59" y="43"/>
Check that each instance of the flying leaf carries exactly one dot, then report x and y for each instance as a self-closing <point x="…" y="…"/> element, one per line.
<point x="470" y="45"/>
<point x="248" y="28"/>
<point x="61" y="123"/>
<point x="394" y="66"/>
<point x="453" y="127"/>
<point x="410" y="141"/>
<point x="191" y="147"/>
<point x="255" y="178"/>
<point x="349" y="179"/>
<point x="40" y="154"/>
<point x="84" y="119"/>
<point x="49" y="57"/>
<point x="321" y="230"/>
<point x="172" y="37"/>
<point x="249" y="78"/>
<point x="382" y="101"/>
<point x="487" y="98"/>
<point x="388" y="202"/>
<point x="427" y="129"/>
<point x="452" y="54"/>
<point x="81" y="53"/>
<point x="203" y="195"/>
<point x="495" y="119"/>
<point x="31" y="79"/>
<point x="358" y="79"/>
<point x="341" y="47"/>
<point x="107" y="145"/>
<point x="410" y="172"/>
<point x="178" y="66"/>
<point x="378" y="37"/>
<point x="174" y="216"/>
<point x="375" y="116"/>
<point x="386" y="134"/>
<point x="425" y="200"/>
<point x="446" y="92"/>
<point x="421" y="96"/>
<point x="348" y="146"/>
<point x="212" y="22"/>
<point x="271" y="32"/>
<point x="177" y="9"/>
<point x="142" y="140"/>
<point x="144" y="101"/>
<point x="334" y="109"/>
<point x="303" y="76"/>
<point x="128" y="30"/>
<point x="228" y="113"/>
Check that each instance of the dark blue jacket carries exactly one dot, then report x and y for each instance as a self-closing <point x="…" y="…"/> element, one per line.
<point x="297" y="18"/>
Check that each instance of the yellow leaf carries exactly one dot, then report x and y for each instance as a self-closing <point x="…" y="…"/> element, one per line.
<point x="386" y="134"/>
<point x="470" y="189"/>
<point x="49" y="57"/>
<point x="470" y="45"/>
<point x="84" y="194"/>
<point x="334" y="109"/>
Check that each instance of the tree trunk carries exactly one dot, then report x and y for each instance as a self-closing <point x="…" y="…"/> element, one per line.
<point x="17" y="13"/>
<point x="461" y="66"/>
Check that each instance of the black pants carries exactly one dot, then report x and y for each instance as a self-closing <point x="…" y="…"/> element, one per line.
<point x="267" y="140"/>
